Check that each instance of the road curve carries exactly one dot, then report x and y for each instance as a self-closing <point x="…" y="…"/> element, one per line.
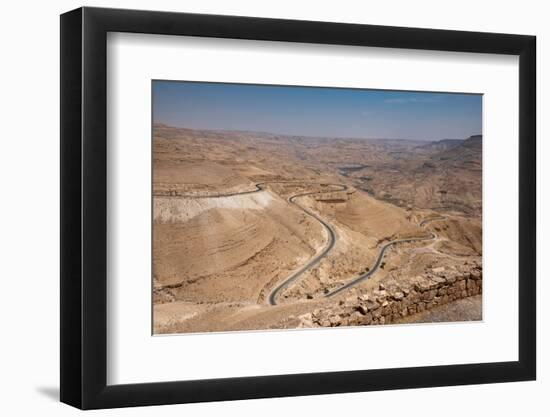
<point x="367" y="275"/>
<point x="272" y="298"/>
<point x="257" y="188"/>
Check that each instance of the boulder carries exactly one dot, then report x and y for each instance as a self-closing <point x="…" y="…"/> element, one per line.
<point x="428" y="295"/>
<point x="439" y="280"/>
<point x="422" y="286"/>
<point x="306" y="320"/>
<point x="355" y="318"/>
<point x="366" y="319"/>
<point x="362" y="309"/>
<point x="398" y="296"/>
<point x="372" y="305"/>
<point x="414" y="297"/>
<point x="450" y="279"/>
<point x="475" y="274"/>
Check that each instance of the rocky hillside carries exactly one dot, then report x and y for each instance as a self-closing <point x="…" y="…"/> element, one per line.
<point x="441" y="145"/>
<point x="393" y="302"/>
<point x="443" y="176"/>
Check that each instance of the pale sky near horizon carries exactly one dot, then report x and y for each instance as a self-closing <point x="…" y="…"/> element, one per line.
<point x="314" y="111"/>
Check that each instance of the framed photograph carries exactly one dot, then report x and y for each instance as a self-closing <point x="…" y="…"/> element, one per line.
<point x="256" y="208"/>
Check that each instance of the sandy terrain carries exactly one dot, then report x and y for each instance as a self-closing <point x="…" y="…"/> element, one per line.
<point x="245" y="220"/>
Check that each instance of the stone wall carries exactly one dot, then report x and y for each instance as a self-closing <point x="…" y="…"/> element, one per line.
<point x="393" y="301"/>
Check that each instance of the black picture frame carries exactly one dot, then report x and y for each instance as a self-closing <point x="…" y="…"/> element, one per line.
<point x="84" y="207"/>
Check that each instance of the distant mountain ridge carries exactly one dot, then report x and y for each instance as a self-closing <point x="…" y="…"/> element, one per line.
<point x="442" y="145"/>
<point x="429" y="145"/>
<point x="474" y="141"/>
<point x="468" y="150"/>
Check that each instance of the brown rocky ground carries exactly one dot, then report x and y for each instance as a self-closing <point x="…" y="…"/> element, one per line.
<point x="229" y="249"/>
<point x="221" y="245"/>
<point x="405" y="301"/>
<point x="465" y="309"/>
<point x="443" y="178"/>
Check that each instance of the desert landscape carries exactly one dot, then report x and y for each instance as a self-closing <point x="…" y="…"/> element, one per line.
<point x="256" y="231"/>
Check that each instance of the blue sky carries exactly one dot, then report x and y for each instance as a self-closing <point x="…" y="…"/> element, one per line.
<point x="310" y="111"/>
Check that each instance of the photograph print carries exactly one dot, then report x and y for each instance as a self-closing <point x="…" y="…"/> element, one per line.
<point x="294" y="207"/>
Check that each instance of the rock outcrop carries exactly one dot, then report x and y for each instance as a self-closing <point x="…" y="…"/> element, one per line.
<point x="393" y="301"/>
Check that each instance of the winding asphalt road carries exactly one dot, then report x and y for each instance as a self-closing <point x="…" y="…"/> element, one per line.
<point x="259" y="187"/>
<point x="378" y="262"/>
<point x="328" y="246"/>
<point x="272" y="298"/>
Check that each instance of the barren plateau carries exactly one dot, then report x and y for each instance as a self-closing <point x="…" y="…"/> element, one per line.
<point x="263" y="231"/>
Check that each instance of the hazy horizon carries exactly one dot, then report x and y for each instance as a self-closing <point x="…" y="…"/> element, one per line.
<point x="317" y="111"/>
